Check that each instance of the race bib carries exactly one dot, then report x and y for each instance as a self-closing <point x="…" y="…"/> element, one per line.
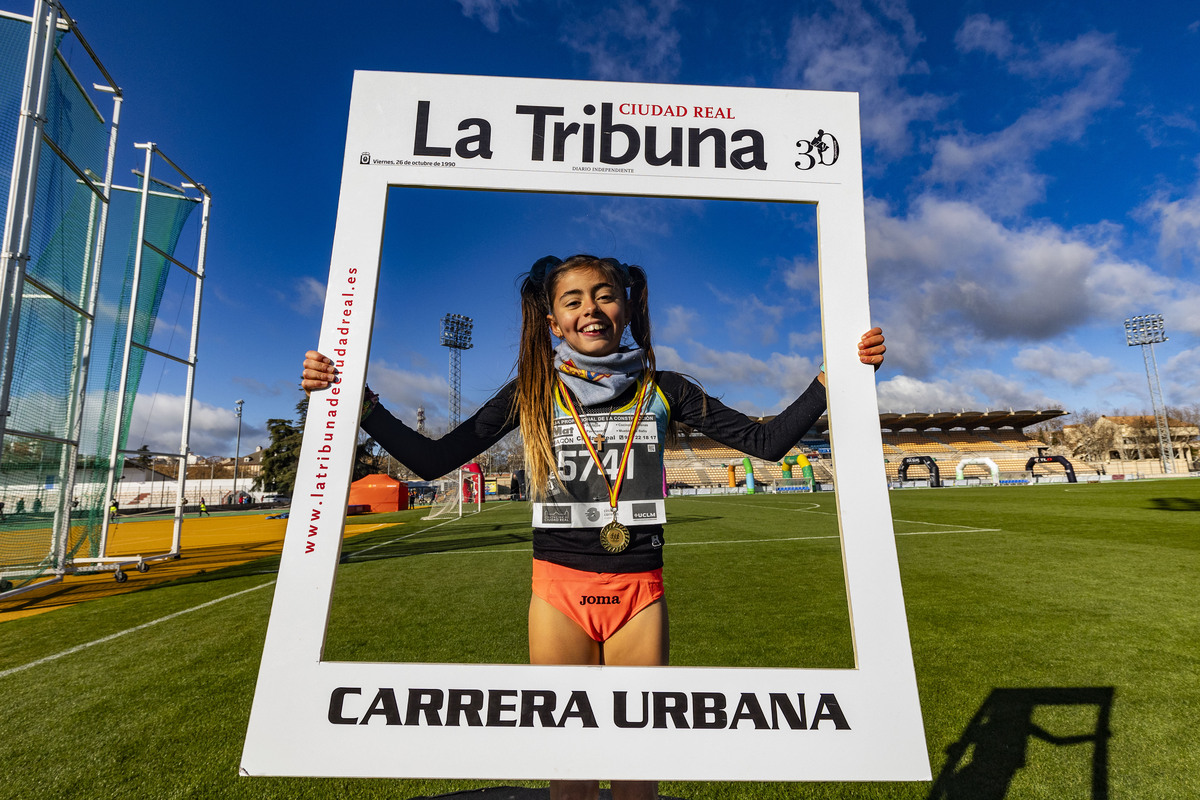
<point x="578" y="495"/>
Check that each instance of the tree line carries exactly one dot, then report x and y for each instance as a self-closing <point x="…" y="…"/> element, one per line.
<point x="1092" y="436"/>
<point x="282" y="456"/>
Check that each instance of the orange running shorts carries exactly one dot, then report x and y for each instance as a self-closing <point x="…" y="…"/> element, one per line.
<point x="599" y="602"/>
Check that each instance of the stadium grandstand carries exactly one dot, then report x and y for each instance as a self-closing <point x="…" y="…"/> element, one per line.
<point x="917" y="440"/>
<point x="963" y="448"/>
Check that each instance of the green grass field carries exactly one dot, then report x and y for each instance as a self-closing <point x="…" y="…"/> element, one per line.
<point x="1039" y="617"/>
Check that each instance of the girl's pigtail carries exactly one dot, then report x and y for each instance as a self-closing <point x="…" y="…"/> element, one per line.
<point x="535" y="376"/>
<point x="639" y="313"/>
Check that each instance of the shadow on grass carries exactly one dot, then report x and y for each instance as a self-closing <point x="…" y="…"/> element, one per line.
<point x="993" y="748"/>
<point x="371" y="547"/>
<point x="1175" y="504"/>
<point x="417" y="547"/>
<point x="513" y="793"/>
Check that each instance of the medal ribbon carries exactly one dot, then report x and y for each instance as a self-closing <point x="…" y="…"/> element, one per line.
<point x="614" y="488"/>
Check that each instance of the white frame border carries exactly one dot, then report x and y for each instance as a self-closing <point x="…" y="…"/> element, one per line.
<point x="290" y="732"/>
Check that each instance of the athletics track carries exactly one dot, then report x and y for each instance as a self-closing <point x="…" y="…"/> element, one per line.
<point x="208" y="544"/>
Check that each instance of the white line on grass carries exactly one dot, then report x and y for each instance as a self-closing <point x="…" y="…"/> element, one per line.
<point x="526" y="550"/>
<point x="756" y="503"/>
<point x="753" y="541"/>
<point x="811" y="506"/>
<point x="938" y="533"/>
<point x="135" y="629"/>
<point x="349" y="556"/>
<point x="814" y="538"/>
<point x="809" y="510"/>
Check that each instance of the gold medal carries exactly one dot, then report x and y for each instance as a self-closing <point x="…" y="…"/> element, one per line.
<point x="614" y="537"/>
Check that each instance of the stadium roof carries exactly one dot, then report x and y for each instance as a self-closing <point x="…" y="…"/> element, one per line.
<point x="968" y="420"/>
<point x="948" y="420"/>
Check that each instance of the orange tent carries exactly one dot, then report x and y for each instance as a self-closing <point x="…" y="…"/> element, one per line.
<point x="379" y="493"/>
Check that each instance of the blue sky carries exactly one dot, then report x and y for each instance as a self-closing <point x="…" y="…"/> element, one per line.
<point x="1032" y="178"/>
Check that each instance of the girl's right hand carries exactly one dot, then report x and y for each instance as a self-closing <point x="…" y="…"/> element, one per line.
<point x="318" y="372"/>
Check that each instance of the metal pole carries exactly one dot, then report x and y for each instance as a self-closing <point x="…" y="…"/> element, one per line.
<point x="237" y="450"/>
<point x="126" y="350"/>
<point x="1165" y="453"/>
<point x="85" y="356"/>
<point x="193" y="351"/>
<point x="18" y="219"/>
<point x="455" y="387"/>
<point x="456" y="335"/>
<point x="1144" y="331"/>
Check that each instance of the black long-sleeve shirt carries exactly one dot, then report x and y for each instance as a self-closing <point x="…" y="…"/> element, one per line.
<point x="579" y="548"/>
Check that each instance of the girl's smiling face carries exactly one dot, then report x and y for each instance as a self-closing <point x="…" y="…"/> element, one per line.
<point x="588" y="311"/>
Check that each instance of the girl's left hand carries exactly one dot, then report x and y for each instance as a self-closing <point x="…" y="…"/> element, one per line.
<point x="871" y="347"/>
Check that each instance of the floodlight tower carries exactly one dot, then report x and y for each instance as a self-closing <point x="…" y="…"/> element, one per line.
<point x="237" y="450"/>
<point x="456" y="334"/>
<point x="1145" y="331"/>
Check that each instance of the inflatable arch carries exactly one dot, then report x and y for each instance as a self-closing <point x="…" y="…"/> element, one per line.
<point x="749" y="475"/>
<point x="1066" y="465"/>
<point x="935" y="474"/>
<point x="806" y="470"/>
<point x="746" y="465"/>
<point x="987" y="462"/>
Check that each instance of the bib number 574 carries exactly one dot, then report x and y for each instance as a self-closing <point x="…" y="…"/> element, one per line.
<point x="569" y="465"/>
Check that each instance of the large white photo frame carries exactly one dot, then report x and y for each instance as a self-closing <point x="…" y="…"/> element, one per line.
<point x="322" y="718"/>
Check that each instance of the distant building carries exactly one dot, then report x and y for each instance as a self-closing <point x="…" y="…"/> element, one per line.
<point x="1134" y="438"/>
<point x="248" y="465"/>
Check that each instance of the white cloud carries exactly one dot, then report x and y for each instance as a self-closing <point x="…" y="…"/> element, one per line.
<point x="1184" y="361"/>
<point x="981" y="32"/>
<point x="735" y="376"/>
<point x="172" y="336"/>
<point x="627" y="41"/>
<point x="804" y="340"/>
<point x="971" y="390"/>
<point x="276" y="388"/>
<point x="802" y="276"/>
<point x="487" y="11"/>
<point x="309" y="294"/>
<point x="903" y="394"/>
<point x="951" y="286"/>
<point x="948" y="263"/>
<point x="1180" y="377"/>
<point x="849" y="49"/>
<point x="1074" y="367"/>
<point x="158" y="419"/>
<point x="403" y="391"/>
<point x="1164" y="128"/>
<point x="749" y="318"/>
<point x="996" y="169"/>
<point x="681" y="325"/>
<point x="627" y="221"/>
<point x="1178" y="225"/>
<point x="1001" y="391"/>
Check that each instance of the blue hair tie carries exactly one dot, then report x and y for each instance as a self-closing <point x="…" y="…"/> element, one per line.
<point x="542" y="267"/>
<point x="621" y="266"/>
<point x="535" y="279"/>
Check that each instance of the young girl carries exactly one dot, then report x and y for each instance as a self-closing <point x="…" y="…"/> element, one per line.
<point x="594" y="415"/>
